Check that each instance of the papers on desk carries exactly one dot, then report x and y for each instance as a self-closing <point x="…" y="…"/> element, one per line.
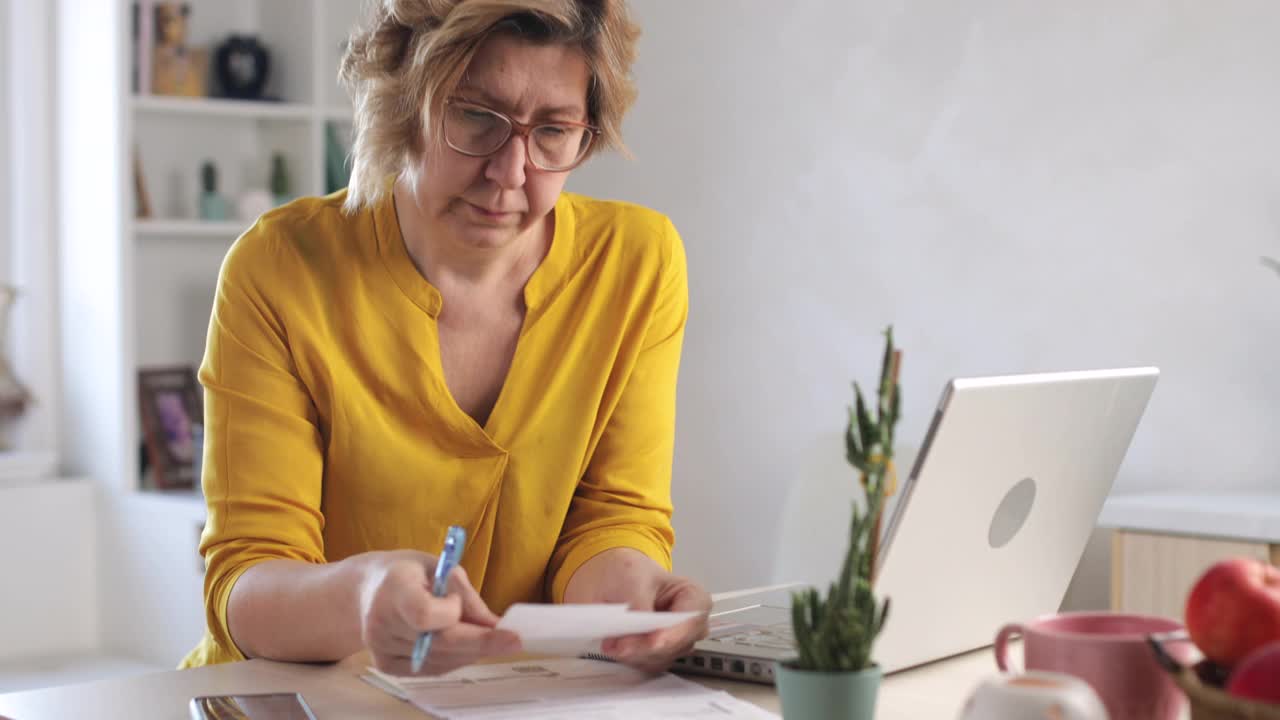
<point x="567" y="688"/>
<point x="563" y="689"/>
<point x="574" y="630"/>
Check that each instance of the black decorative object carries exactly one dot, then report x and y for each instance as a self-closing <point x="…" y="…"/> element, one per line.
<point x="242" y="65"/>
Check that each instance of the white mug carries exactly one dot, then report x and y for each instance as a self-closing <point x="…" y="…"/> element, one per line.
<point x="1034" y="695"/>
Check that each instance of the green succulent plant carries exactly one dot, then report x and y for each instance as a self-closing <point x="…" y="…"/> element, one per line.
<point x="836" y="633"/>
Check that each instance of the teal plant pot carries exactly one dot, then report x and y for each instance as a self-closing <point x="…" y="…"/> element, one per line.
<point x="811" y="695"/>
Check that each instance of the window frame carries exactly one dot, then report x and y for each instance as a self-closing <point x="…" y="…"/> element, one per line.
<point x="28" y="241"/>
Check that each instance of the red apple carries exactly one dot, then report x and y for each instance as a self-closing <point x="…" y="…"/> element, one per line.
<point x="1234" y="609"/>
<point x="1258" y="675"/>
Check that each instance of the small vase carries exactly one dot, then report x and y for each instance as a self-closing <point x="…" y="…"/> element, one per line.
<point x="813" y="695"/>
<point x="213" y="207"/>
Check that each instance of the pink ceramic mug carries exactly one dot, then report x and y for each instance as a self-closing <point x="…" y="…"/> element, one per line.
<point x="1109" y="651"/>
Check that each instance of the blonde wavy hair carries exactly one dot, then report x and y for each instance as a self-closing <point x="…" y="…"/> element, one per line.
<point x="401" y="67"/>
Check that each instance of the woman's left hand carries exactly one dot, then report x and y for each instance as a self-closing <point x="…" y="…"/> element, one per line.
<point x="624" y="575"/>
<point x="655" y="651"/>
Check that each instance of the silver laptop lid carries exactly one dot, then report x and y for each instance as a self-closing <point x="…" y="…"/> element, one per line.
<point x="994" y="515"/>
<point x="1001" y="502"/>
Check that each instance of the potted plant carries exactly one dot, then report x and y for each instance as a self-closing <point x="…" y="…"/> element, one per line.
<point x="835" y="674"/>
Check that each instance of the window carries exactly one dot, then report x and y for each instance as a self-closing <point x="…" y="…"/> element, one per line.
<point x="27" y="242"/>
<point x="6" y="160"/>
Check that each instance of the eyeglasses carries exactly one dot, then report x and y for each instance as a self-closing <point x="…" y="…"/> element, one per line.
<point x="478" y="131"/>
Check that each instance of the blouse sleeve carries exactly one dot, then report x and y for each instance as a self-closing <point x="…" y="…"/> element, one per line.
<point x="624" y="497"/>
<point x="263" y="451"/>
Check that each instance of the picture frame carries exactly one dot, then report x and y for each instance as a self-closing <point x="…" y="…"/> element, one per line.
<point x="177" y="68"/>
<point x="171" y="407"/>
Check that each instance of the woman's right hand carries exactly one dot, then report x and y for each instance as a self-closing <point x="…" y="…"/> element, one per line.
<point x="396" y="605"/>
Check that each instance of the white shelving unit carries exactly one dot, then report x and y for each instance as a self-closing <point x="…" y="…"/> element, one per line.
<point x="138" y="292"/>
<point x="222" y="107"/>
<point x="168" y="229"/>
<point x="177" y="255"/>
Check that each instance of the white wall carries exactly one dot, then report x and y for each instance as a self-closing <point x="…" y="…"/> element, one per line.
<point x="49" y="600"/>
<point x="1015" y="186"/>
<point x="95" y="272"/>
<point x="151" y="575"/>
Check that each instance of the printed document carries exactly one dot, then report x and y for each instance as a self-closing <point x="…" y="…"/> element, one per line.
<point x="563" y="689"/>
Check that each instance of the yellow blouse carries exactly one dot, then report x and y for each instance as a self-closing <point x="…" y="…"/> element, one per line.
<point x="330" y="431"/>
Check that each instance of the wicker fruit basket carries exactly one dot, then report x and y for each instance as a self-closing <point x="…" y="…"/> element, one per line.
<point x="1202" y="683"/>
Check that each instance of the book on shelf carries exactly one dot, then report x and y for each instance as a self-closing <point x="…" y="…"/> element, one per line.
<point x="141" y="200"/>
<point x="143" y="42"/>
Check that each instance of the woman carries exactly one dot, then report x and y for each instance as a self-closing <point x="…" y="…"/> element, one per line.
<point x="451" y="340"/>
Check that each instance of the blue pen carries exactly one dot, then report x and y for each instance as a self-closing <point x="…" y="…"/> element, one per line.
<point x="454" y="540"/>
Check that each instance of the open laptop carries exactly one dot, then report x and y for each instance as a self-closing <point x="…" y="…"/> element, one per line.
<point x="992" y="521"/>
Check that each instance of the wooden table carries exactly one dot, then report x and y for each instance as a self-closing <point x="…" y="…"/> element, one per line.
<point x="335" y="691"/>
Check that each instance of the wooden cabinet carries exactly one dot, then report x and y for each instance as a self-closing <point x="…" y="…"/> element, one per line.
<point x="1161" y="544"/>
<point x="1152" y="573"/>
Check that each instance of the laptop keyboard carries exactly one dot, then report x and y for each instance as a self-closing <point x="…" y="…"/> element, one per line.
<point x="744" y="647"/>
<point x="734" y="658"/>
<point x="774" y="637"/>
